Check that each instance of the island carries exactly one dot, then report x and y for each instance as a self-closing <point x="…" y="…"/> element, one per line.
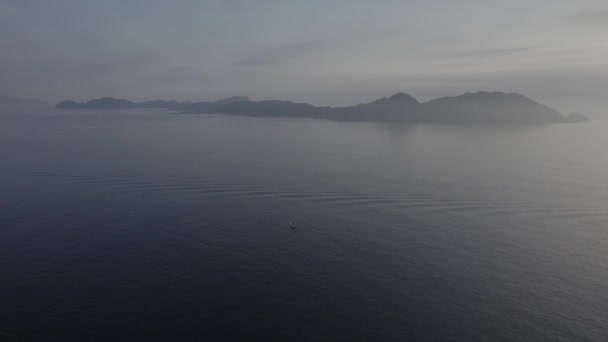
<point x="108" y="103"/>
<point x="576" y="117"/>
<point x="479" y="107"/>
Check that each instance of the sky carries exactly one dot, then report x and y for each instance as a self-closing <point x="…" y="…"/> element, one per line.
<point x="325" y="52"/>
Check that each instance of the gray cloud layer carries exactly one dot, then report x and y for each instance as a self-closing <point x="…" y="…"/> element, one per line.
<point x="321" y="51"/>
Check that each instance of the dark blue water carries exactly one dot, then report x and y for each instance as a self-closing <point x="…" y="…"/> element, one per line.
<point x="148" y="225"/>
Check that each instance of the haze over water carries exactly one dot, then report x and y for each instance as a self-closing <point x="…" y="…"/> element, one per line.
<point x="144" y="224"/>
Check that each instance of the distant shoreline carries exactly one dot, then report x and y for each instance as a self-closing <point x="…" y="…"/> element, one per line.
<point x="480" y="107"/>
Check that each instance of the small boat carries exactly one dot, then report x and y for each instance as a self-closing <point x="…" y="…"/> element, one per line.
<point x="292" y="225"/>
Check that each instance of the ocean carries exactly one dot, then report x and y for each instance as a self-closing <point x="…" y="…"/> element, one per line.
<point x="148" y="225"/>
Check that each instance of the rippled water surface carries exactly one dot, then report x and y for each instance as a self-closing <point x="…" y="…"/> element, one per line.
<point x="133" y="225"/>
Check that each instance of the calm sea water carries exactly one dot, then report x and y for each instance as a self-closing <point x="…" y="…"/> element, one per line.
<point x="149" y="225"/>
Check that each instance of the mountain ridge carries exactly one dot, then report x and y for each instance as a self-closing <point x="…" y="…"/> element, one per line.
<point x="478" y="107"/>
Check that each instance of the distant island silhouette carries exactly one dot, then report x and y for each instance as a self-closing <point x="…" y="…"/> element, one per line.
<point x="479" y="107"/>
<point x="113" y="103"/>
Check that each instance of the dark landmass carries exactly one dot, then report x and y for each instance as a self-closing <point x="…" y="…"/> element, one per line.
<point x="102" y="103"/>
<point x="233" y="99"/>
<point x="490" y="107"/>
<point x="158" y="104"/>
<point x="212" y="106"/>
<point x="15" y="101"/>
<point x="480" y="107"/>
<point x="107" y="103"/>
<point x="68" y="104"/>
<point x="576" y="117"/>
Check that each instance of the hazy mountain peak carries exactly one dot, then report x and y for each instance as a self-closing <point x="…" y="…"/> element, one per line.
<point x="232" y="99"/>
<point x="378" y="101"/>
<point x="495" y="106"/>
<point x="68" y="104"/>
<point x="402" y="97"/>
<point x="114" y="103"/>
<point x="576" y="117"/>
<point x="110" y="101"/>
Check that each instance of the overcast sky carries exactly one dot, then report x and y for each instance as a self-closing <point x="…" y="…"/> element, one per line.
<point x="328" y="52"/>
